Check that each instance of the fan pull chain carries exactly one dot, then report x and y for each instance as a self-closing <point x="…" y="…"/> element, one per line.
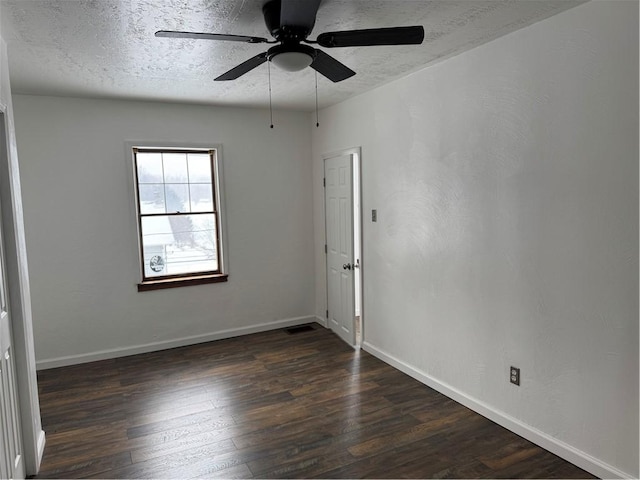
<point x="270" y="106"/>
<point x="317" y="121"/>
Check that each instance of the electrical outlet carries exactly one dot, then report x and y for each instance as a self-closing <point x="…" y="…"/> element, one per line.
<point x="515" y="376"/>
<point x="374" y="215"/>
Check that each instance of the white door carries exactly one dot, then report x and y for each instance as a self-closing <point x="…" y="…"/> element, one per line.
<point x="338" y="195"/>
<point x="11" y="458"/>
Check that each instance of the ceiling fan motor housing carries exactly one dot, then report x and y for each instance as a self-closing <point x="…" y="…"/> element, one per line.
<point x="284" y="33"/>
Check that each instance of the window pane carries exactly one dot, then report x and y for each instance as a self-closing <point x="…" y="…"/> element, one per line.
<point x="149" y="167"/>
<point x="175" y="167"/>
<point x="205" y="236"/>
<point x="199" y="168"/>
<point x="177" y="196"/>
<point x="182" y="244"/>
<point x="201" y="197"/>
<point x="151" y="198"/>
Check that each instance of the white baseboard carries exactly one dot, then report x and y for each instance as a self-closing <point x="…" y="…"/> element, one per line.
<point x="321" y="321"/>
<point x="164" y="345"/>
<point x="42" y="440"/>
<point x="558" y="447"/>
<point x="33" y="454"/>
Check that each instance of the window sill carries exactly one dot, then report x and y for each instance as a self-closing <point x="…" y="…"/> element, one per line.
<point x="181" y="282"/>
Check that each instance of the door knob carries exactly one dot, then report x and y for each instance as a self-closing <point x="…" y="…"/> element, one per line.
<point x="346" y="266"/>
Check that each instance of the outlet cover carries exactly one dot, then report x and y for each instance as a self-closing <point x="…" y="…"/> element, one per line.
<point x="514" y="376"/>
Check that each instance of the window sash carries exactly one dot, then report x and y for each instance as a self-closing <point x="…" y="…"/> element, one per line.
<point x="214" y="211"/>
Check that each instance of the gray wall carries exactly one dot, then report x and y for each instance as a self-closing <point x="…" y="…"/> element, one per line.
<point x="81" y="235"/>
<point x="506" y="184"/>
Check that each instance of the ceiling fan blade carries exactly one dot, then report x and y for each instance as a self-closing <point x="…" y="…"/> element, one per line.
<point x="330" y="67"/>
<point x="243" y="68"/>
<point x="210" y="36"/>
<point x="299" y="13"/>
<point x="372" y="36"/>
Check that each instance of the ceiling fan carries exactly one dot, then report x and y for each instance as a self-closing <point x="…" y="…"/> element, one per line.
<point x="290" y="23"/>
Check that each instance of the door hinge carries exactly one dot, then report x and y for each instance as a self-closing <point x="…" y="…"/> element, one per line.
<point x="324" y="182"/>
<point x="327" y="314"/>
<point x="325" y="248"/>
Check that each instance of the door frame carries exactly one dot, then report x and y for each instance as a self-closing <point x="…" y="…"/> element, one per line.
<point x="356" y="153"/>
<point x="33" y="437"/>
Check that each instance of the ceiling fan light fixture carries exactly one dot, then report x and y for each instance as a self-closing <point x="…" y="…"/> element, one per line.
<point x="291" y="57"/>
<point x="292" y="61"/>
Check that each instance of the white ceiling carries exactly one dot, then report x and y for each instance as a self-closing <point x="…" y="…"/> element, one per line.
<point x="107" y="48"/>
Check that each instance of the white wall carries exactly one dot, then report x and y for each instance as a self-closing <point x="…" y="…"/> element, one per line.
<point x="506" y="184"/>
<point x="81" y="236"/>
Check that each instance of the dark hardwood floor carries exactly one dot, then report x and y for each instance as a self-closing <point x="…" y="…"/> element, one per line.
<point x="269" y="405"/>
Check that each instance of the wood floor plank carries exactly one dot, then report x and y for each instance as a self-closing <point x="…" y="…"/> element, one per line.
<point x="176" y="464"/>
<point x="269" y="405"/>
<point x="144" y="417"/>
<point x="148" y="452"/>
<point x="235" y="471"/>
<point x="211" y="418"/>
<point x="328" y="446"/>
<point x="412" y="461"/>
<point x="421" y="431"/>
<point x="88" y="466"/>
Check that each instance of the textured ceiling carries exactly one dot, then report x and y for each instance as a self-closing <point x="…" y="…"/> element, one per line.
<point x="107" y="48"/>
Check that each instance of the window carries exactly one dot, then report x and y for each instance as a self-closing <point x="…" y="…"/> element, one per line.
<point x="177" y="200"/>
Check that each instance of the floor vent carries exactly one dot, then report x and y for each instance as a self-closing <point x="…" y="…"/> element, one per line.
<point x="300" y="329"/>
